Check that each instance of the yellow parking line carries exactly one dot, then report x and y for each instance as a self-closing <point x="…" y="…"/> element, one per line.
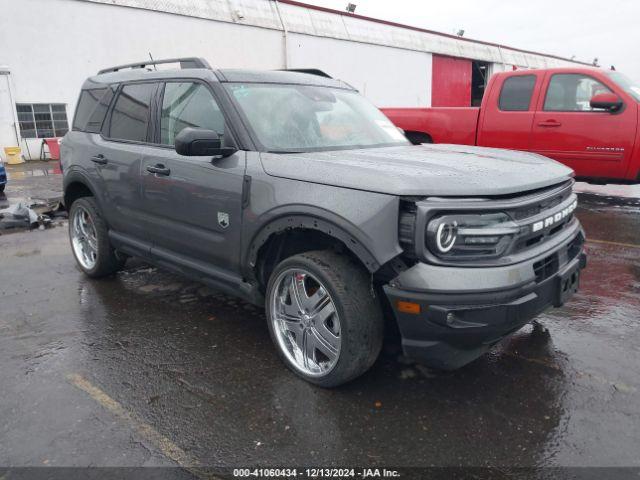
<point x="166" y="446"/>
<point x="617" y="244"/>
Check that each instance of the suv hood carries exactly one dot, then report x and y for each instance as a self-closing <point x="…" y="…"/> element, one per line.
<point x="438" y="170"/>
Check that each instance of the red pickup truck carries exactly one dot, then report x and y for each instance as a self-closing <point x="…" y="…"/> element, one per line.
<point x="586" y="118"/>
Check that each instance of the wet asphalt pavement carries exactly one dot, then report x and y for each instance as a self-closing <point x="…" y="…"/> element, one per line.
<point x="149" y="369"/>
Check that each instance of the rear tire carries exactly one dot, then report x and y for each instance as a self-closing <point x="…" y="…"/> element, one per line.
<point x="89" y="237"/>
<point x="345" y="332"/>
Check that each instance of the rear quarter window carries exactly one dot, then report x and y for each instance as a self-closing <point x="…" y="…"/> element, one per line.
<point x="516" y="93"/>
<point x="92" y="109"/>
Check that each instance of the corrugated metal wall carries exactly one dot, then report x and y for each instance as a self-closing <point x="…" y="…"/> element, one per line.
<point x="309" y="21"/>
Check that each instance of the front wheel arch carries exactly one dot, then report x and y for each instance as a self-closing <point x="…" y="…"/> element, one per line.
<point x="291" y="223"/>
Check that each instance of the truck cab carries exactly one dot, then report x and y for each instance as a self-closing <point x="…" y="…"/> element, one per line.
<point x="586" y="118"/>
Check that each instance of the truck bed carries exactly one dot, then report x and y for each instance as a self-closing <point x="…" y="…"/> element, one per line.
<point x="445" y="124"/>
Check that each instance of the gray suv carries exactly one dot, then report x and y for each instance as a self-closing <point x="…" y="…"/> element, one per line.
<point x="290" y="190"/>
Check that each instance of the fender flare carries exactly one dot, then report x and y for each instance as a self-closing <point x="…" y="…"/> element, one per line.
<point x="76" y="176"/>
<point x="336" y="228"/>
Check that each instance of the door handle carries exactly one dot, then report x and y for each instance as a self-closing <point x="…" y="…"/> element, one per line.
<point x="550" y="123"/>
<point x="158" y="169"/>
<point x="100" y="159"/>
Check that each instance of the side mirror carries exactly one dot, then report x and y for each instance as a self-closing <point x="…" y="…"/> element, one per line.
<point x="606" y="101"/>
<point x="199" y="142"/>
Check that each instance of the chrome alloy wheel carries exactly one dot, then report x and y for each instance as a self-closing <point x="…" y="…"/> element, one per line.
<point x="305" y="322"/>
<point x="84" y="239"/>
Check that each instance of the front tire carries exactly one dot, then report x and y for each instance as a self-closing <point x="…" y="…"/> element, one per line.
<point x="89" y="238"/>
<point x="324" y="318"/>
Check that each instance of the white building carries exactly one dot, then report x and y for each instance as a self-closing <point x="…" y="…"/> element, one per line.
<point x="48" y="47"/>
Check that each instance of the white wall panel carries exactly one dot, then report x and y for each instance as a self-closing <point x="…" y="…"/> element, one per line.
<point x="387" y="76"/>
<point x="7" y="119"/>
<point x="50" y="58"/>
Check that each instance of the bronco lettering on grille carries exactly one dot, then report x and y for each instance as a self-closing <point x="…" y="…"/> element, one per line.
<point x="553" y="219"/>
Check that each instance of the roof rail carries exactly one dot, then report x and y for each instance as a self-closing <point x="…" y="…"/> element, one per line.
<point x="310" y="71"/>
<point x="189" y="62"/>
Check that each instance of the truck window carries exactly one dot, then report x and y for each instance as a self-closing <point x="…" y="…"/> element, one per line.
<point x="130" y="116"/>
<point x="188" y="105"/>
<point x="516" y="93"/>
<point x="572" y="92"/>
<point x="92" y="108"/>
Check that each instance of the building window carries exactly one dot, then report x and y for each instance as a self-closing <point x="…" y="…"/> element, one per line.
<point x="42" y="120"/>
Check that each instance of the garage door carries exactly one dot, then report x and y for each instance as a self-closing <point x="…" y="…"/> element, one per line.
<point x="451" y="83"/>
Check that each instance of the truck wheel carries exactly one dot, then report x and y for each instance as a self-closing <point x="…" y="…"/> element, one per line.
<point x="418" y="138"/>
<point x="89" y="238"/>
<point x="323" y="317"/>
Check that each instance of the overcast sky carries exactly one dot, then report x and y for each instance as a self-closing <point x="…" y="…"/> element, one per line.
<point x="606" y="29"/>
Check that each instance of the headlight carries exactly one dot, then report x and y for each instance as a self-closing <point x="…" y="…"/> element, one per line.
<point x="446" y="235"/>
<point x="470" y="235"/>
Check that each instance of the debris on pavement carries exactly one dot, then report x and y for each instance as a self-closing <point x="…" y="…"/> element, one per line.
<point x="31" y="214"/>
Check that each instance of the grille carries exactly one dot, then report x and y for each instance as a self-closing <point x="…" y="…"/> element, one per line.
<point x="575" y="247"/>
<point x="527" y="238"/>
<point x="557" y="195"/>
<point x="547" y="267"/>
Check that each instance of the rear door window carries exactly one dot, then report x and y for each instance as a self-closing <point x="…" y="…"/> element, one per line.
<point x="516" y="93"/>
<point x="92" y="109"/>
<point x="130" y="115"/>
<point x="188" y="104"/>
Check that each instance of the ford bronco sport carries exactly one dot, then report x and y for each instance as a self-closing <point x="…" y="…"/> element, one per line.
<point x="292" y="191"/>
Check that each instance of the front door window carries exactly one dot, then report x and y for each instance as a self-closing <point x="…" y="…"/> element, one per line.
<point x="188" y="105"/>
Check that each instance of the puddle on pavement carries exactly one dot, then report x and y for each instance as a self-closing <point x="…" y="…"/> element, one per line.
<point x="200" y="367"/>
<point x="45" y="170"/>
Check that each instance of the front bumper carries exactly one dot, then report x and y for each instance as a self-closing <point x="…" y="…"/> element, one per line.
<point x="464" y="311"/>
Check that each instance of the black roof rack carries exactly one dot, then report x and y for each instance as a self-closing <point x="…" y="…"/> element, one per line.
<point x="310" y="71"/>
<point x="189" y="62"/>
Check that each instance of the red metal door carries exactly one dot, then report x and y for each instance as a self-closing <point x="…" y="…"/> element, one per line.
<point x="451" y="82"/>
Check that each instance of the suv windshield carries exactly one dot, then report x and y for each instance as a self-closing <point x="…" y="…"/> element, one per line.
<point x="302" y="118"/>
<point x="629" y="86"/>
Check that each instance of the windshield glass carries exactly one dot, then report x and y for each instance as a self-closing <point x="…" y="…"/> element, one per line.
<point x="302" y="118"/>
<point x="629" y="86"/>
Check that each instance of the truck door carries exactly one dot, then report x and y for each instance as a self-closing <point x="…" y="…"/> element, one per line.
<point x="117" y="156"/>
<point x="193" y="204"/>
<point x="595" y="143"/>
<point x="506" y="116"/>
